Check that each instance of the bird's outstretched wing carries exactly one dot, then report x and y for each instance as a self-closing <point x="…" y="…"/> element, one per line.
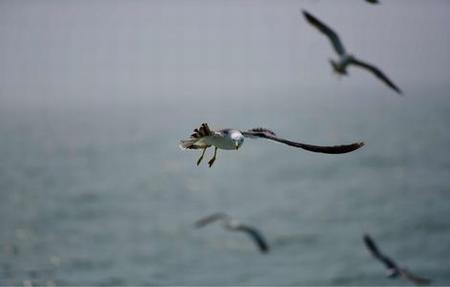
<point x="370" y="244"/>
<point x="210" y="219"/>
<point x="390" y="264"/>
<point x="414" y="278"/>
<point x="377" y="72"/>
<point x="334" y="38"/>
<point x="256" y="236"/>
<point x="268" y="134"/>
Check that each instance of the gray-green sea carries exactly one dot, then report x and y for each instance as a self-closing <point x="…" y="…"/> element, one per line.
<point x="103" y="195"/>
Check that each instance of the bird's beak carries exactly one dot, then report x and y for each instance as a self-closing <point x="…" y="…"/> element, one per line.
<point x="237" y="146"/>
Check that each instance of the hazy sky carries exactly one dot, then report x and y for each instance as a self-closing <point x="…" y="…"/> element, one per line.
<point x="56" y="52"/>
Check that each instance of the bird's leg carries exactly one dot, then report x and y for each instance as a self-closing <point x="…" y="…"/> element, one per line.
<point x="201" y="157"/>
<point x="211" y="161"/>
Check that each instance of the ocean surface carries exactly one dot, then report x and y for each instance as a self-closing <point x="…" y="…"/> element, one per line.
<point x="100" y="194"/>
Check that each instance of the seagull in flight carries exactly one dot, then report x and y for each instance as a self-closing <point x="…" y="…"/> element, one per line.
<point x="393" y="270"/>
<point x="232" y="139"/>
<point x="233" y="225"/>
<point x="345" y="59"/>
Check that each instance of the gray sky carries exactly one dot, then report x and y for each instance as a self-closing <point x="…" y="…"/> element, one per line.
<point x="64" y="52"/>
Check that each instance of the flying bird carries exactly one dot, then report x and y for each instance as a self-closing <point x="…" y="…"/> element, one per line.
<point x="393" y="270"/>
<point x="232" y="139"/>
<point x="345" y="59"/>
<point x="233" y="225"/>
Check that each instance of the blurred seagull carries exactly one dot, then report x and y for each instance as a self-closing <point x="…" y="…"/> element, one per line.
<point x="393" y="269"/>
<point x="345" y="59"/>
<point x="230" y="224"/>
<point x="232" y="139"/>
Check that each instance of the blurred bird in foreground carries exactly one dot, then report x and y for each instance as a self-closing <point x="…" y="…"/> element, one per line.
<point x="233" y="225"/>
<point x="232" y="139"/>
<point x="393" y="270"/>
<point x="345" y="59"/>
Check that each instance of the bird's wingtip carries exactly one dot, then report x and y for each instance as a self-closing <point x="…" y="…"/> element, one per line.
<point x="366" y="236"/>
<point x="200" y="223"/>
<point x="197" y="225"/>
<point x="357" y="145"/>
<point x="306" y="13"/>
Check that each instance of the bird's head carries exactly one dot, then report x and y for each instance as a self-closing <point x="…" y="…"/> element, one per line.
<point x="237" y="138"/>
<point x="338" y="69"/>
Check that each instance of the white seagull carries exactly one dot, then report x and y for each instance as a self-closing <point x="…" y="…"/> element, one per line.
<point x="233" y="225"/>
<point x="345" y="59"/>
<point x="232" y="139"/>
<point x="393" y="270"/>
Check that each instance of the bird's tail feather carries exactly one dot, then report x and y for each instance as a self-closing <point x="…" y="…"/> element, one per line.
<point x="202" y="131"/>
<point x="187" y="144"/>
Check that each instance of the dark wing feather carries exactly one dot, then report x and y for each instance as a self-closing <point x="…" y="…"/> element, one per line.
<point x="256" y="236"/>
<point x="334" y="38"/>
<point x="377" y="254"/>
<point x="202" y="131"/>
<point x="193" y="141"/>
<point x="210" y="218"/>
<point x="414" y="278"/>
<point x="377" y="72"/>
<point x="267" y="134"/>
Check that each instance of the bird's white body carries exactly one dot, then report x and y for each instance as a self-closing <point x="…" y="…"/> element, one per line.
<point x="225" y="139"/>
<point x="340" y="66"/>
<point x="345" y="60"/>
<point x="232" y="224"/>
